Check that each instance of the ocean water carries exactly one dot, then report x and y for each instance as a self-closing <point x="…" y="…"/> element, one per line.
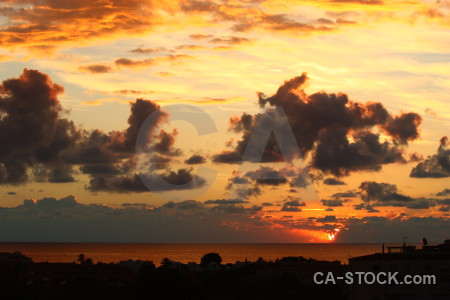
<point x="186" y="252"/>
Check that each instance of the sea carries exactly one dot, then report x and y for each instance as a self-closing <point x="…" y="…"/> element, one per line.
<point x="186" y="252"/>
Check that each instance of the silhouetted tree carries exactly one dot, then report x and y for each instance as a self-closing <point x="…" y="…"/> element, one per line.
<point x="165" y="262"/>
<point x="211" y="257"/>
<point x="81" y="258"/>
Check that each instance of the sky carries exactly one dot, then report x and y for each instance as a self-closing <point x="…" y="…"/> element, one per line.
<point x="224" y="121"/>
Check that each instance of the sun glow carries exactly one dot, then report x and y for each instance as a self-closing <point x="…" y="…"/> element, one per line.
<point x="332" y="235"/>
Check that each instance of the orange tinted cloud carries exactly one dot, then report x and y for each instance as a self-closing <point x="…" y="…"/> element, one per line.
<point x="96" y="68"/>
<point x="131" y="63"/>
<point x="43" y="23"/>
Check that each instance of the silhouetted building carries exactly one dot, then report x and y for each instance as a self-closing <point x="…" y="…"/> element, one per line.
<point x="406" y="260"/>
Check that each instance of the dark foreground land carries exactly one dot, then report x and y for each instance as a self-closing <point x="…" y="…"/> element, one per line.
<point x="287" y="278"/>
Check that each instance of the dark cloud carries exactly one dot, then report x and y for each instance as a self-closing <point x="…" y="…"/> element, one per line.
<point x="290" y="208"/>
<point x="404" y="128"/>
<point x="131" y="63"/>
<point x="226" y="201"/>
<point x="384" y="230"/>
<point x="195" y="159"/>
<point x="294" y="202"/>
<point x="140" y="110"/>
<point x="267" y="176"/>
<point x="143" y="205"/>
<point x="33" y="132"/>
<point x="365" y="153"/>
<point x="94" y="148"/>
<point x="327" y="219"/>
<point x="435" y="166"/>
<point x="42" y="146"/>
<point x="11" y="193"/>
<point x="252" y="182"/>
<point x="183" y="179"/>
<point x="349" y="194"/>
<point x="421" y="204"/>
<point x="445" y="192"/>
<point x="321" y="122"/>
<point x="372" y="191"/>
<point x="333" y="181"/>
<point x="60" y="174"/>
<point x="332" y="203"/>
<point x="42" y="220"/>
<point x="368" y="207"/>
<point x="228" y="157"/>
<point x="165" y="142"/>
<point x="96" y="69"/>
<point x="385" y="194"/>
<point x="161" y="162"/>
<point x="292" y="205"/>
<point x="237" y="209"/>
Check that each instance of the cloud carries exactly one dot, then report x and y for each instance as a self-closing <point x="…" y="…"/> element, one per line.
<point x="404" y="127"/>
<point x="182" y="179"/>
<point x="435" y="166"/>
<point x="33" y="132"/>
<point x="332" y="203"/>
<point x="385" y="194"/>
<point x="286" y="208"/>
<point x="292" y="205"/>
<point x="230" y="40"/>
<point x="368" y="2"/>
<point x="42" y="146"/>
<point x="131" y="63"/>
<point x="96" y="69"/>
<point x="280" y="22"/>
<point x="70" y="23"/>
<point x="199" y="6"/>
<point x="199" y="36"/>
<point x="141" y="50"/>
<point x="327" y="219"/>
<point x="190" y="220"/>
<point x="323" y="121"/>
<point x="195" y="159"/>
<point x="333" y="181"/>
<point x="226" y="201"/>
<point x="165" y="142"/>
<point x="382" y="192"/>
<point x="228" y="157"/>
<point x="348" y="194"/>
<point x="266" y="176"/>
<point x="384" y="230"/>
<point x="191" y="47"/>
<point x="445" y="192"/>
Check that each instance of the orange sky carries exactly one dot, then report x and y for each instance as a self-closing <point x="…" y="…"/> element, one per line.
<point x="216" y="55"/>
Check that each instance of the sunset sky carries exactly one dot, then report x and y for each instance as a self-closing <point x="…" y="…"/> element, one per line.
<point x="363" y="84"/>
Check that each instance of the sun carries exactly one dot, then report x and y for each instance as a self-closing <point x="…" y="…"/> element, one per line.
<point x="332" y="235"/>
